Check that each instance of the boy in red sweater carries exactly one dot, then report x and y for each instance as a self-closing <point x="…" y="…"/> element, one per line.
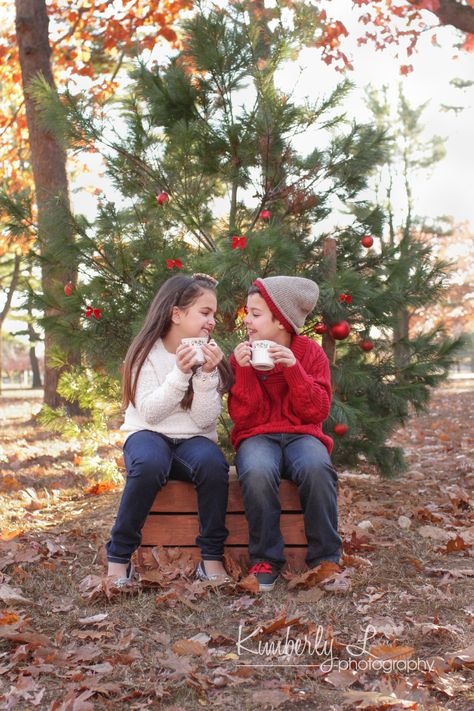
<point x="278" y="416"/>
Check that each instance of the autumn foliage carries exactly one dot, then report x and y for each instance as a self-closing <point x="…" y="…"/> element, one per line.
<point x="89" y="42"/>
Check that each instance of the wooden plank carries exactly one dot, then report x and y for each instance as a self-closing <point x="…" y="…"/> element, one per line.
<point x="180" y="496"/>
<point x="182" y="529"/>
<point x="295" y="556"/>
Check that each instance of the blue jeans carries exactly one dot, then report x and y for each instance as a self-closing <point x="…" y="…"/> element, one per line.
<point x="151" y="459"/>
<point x="261" y="462"/>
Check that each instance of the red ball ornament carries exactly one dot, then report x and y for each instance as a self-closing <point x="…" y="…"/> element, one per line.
<point x="161" y="198"/>
<point x="366" y="345"/>
<point x="320" y="328"/>
<point x="68" y="288"/>
<point x="340" y="429"/>
<point x="367" y="241"/>
<point x="340" y="330"/>
<point x="265" y="215"/>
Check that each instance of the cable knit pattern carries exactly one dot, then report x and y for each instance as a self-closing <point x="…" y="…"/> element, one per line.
<point x="292" y="400"/>
<point x="160" y="389"/>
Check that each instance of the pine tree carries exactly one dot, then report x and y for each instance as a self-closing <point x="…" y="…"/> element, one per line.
<point x="204" y="153"/>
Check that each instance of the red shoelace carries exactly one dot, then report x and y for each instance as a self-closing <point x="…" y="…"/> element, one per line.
<point x="260" y="568"/>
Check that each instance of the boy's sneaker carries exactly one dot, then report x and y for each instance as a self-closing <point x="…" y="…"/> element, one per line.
<point x="266" y="574"/>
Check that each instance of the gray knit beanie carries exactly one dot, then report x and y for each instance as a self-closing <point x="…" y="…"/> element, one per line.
<point x="290" y="299"/>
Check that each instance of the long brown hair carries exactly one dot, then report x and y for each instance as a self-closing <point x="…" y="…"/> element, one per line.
<point x="181" y="291"/>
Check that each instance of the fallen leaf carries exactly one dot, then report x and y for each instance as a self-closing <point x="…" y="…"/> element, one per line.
<point x="315" y="576"/>
<point x="385" y="651"/>
<point x="271" y="698"/>
<point x="249" y="583"/>
<point x="188" y="647"/>
<point x="437" y="534"/>
<point x="94" y="619"/>
<point x="341" y="679"/>
<point x="375" y="701"/>
<point x="466" y="656"/>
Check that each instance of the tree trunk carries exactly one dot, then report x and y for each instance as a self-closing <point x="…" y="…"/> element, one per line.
<point x="49" y="172"/>
<point x="33" y="357"/>
<point x="401" y="346"/>
<point x="330" y="257"/>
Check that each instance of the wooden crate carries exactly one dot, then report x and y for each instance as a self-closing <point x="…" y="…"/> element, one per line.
<point x="173" y="522"/>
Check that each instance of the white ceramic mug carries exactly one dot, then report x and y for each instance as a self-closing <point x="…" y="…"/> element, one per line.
<point x="197" y="344"/>
<point x="261" y="359"/>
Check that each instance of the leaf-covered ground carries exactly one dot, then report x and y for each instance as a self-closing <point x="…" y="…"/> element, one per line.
<point x="393" y="630"/>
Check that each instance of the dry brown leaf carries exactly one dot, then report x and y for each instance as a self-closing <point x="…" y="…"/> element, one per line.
<point x="311" y="595"/>
<point x="466" y="656"/>
<point x="385" y="651"/>
<point x="341" y="679"/>
<point x="315" y="576"/>
<point x="271" y="698"/>
<point x="232" y="567"/>
<point x="437" y="534"/>
<point x="94" y="619"/>
<point x="355" y="561"/>
<point x="249" y="583"/>
<point x="188" y="647"/>
<point x="449" y="684"/>
<point x="11" y="595"/>
<point x="29" y="637"/>
<point x="375" y="701"/>
<point x="280" y="623"/>
<point x="456" y="544"/>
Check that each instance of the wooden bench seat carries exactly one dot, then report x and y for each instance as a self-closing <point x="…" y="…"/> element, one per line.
<point x="173" y="523"/>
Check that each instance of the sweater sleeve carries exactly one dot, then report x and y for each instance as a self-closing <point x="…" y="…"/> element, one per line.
<point x="154" y="401"/>
<point x="206" y="405"/>
<point x="310" y="386"/>
<point x="246" y="397"/>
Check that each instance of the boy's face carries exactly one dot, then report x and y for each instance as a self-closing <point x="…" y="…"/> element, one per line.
<point x="260" y="322"/>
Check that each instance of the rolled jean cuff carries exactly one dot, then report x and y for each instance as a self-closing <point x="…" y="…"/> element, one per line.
<point x="115" y="559"/>
<point x="206" y="556"/>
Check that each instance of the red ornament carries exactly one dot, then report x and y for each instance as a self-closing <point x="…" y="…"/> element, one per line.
<point x="340" y="330"/>
<point x="68" y="288"/>
<point x="320" y="328"/>
<point x="239" y="242"/>
<point x="340" y="429"/>
<point x="367" y="241"/>
<point x="347" y="298"/>
<point x="170" y="263"/>
<point x="366" y="345"/>
<point x="265" y="215"/>
<point x="161" y="198"/>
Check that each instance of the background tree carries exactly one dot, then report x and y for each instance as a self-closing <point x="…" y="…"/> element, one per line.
<point x="90" y="40"/>
<point x="206" y="159"/>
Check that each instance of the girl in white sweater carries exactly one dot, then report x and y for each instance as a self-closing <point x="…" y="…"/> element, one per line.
<point x="170" y="420"/>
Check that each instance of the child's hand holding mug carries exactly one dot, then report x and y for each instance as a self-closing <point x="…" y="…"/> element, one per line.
<point x="243" y="354"/>
<point x="213" y="356"/>
<point x="186" y="357"/>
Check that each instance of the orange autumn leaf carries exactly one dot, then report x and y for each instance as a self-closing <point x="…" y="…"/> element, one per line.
<point x="8" y="618"/>
<point x="100" y="488"/>
<point x="392" y="651"/>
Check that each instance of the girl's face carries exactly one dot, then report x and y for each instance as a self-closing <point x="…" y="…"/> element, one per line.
<point x="259" y="321"/>
<point x="197" y="320"/>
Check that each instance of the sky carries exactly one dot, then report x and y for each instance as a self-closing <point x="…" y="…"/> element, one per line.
<point x="448" y="190"/>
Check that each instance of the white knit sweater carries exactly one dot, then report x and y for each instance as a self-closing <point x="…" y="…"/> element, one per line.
<point x="160" y="389"/>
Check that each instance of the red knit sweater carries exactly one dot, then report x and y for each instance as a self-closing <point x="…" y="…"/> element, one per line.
<point x="290" y="400"/>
